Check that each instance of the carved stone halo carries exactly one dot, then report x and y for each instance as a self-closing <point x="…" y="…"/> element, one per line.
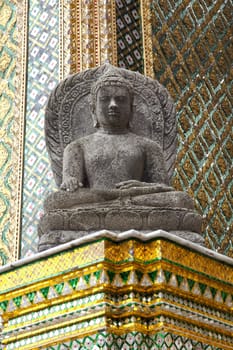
<point x="68" y="114"/>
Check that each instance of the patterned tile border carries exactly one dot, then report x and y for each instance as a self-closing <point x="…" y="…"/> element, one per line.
<point x="133" y="340"/>
<point x="13" y="48"/>
<point x="159" y="245"/>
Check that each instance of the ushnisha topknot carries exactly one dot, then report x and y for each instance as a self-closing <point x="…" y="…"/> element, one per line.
<point x="111" y="77"/>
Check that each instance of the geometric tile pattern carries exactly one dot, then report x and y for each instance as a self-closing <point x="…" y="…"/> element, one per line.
<point x="192" y="54"/>
<point x="8" y="49"/>
<point x="42" y="77"/>
<point x="129" y="36"/>
<point x="104" y="249"/>
<point x="136" y="300"/>
<point x="95" y="278"/>
<point x="133" y="340"/>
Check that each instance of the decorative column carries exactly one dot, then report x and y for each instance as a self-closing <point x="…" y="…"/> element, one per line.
<point x="93" y="34"/>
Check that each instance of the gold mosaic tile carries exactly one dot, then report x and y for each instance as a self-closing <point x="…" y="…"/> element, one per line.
<point x="192" y="55"/>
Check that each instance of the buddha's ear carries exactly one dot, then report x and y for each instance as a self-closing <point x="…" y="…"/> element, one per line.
<point x="132" y="104"/>
<point x="133" y="108"/>
<point x="95" y="123"/>
<point x="94" y="118"/>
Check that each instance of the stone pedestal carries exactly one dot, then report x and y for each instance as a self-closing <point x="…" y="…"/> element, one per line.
<point x="126" y="291"/>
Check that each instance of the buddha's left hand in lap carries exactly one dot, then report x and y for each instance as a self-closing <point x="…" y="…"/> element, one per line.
<point x="160" y="187"/>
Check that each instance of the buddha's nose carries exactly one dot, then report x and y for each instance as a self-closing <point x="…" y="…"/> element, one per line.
<point x="112" y="103"/>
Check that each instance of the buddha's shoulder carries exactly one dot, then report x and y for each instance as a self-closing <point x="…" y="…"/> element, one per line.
<point x="145" y="141"/>
<point x="82" y="140"/>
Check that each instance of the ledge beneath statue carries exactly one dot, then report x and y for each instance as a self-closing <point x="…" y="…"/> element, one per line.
<point x="109" y="288"/>
<point x="69" y="216"/>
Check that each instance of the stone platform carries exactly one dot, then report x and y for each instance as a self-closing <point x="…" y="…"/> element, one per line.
<point x="125" y="291"/>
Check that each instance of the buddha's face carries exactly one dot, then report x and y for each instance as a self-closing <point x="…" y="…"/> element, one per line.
<point x="113" y="107"/>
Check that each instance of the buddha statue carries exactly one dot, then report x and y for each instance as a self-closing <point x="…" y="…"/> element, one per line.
<point x="111" y="177"/>
<point x="112" y="157"/>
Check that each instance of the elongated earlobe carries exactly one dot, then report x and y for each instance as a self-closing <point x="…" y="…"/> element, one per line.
<point x="96" y="123"/>
<point x="93" y="114"/>
<point x="132" y="114"/>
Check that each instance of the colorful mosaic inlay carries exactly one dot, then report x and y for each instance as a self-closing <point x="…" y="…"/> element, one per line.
<point x="192" y="55"/>
<point x="132" y="299"/>
<point x="92" y="33"/>
<point x="8" y="51"/>
<point x="129" y="35"/>
<point x="133" y="340"/>
<point x="43" y="72"/>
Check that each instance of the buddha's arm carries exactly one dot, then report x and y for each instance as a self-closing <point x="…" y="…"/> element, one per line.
<point x="73" y="167"/>
<point x="155" y="175"/>
<point x="155" y="165"/>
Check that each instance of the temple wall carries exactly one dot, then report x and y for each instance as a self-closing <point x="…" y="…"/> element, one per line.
<point x="188" y="51"/>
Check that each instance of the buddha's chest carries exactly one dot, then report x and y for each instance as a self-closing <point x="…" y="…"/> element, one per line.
<point x="114" y="154"/>
<point x="114" y="160"/>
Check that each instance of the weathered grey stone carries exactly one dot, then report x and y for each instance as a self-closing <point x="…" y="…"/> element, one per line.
<point x="116" y="174"/>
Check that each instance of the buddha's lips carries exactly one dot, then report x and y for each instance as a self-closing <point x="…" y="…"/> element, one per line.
<point x="113" y="114"/>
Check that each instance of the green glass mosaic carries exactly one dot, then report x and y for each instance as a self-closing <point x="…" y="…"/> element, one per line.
<point x="192" y="55"/>
<point x="42" y="77"/>
<point x="8" y="59"/>
<point x="133" y="340"/>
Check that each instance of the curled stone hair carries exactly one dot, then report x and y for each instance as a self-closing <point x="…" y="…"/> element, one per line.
<point x="111" y="77"/>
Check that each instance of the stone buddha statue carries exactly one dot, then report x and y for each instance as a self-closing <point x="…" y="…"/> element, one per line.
<point x="111" y="136"/>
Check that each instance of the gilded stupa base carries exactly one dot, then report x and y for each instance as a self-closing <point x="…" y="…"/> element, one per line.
<point x="127" y="291"/>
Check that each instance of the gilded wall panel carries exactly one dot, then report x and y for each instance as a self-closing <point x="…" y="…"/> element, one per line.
<point x="192" y="55"/>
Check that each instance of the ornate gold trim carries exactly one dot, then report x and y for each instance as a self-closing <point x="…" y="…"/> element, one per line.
<point x="120" y="304"/>
<point x="159" y="252"/>
<point x="107" y="39"/>
<point x="147" y="38"/>
<point x="195" y="335"/>
<point x="64" y="38"/>
<point x="135" y="326"/>
<point x="18" y="131"/>
<point x="93" y="34"/>
<point x="57" y="325"/>
<point x="160" y="258"/>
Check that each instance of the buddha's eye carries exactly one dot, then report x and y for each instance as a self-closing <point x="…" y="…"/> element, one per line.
<point x="121" y="98"/>
<point x="104" y="98"/>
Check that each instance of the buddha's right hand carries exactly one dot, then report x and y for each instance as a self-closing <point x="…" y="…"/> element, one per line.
<point x="71" y="184"/>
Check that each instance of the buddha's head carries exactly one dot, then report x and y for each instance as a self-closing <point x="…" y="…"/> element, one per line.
<point x="112" y="100"/>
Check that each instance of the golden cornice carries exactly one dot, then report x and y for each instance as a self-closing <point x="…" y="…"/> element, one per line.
<point x="159" y="250"/>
